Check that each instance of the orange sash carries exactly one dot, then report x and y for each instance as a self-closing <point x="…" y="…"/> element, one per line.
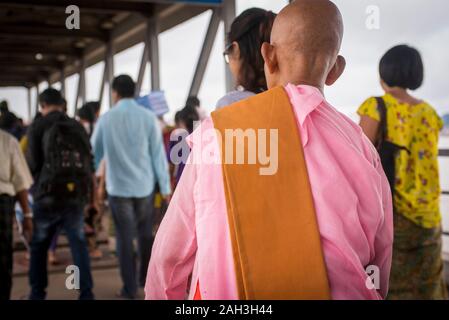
<point x="274" y="233"/>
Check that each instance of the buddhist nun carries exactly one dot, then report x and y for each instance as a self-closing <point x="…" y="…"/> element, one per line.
<point x="282" y="197"/>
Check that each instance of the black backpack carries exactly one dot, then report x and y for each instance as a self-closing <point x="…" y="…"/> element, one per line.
<point x="66" y="174"/>
<point x="386" y="149"/>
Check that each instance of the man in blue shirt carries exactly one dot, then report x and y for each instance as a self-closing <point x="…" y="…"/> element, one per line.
<point x="129" y="138"/>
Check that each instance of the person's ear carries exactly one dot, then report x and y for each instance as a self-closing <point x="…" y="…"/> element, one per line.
<point x="336" y="71"/>
<point x="235" y="53"/>
<point x="269" y="56"/>
<point x="114" y="96"/>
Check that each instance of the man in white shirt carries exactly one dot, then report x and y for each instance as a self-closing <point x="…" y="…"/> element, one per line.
<point x="15" y="180"/>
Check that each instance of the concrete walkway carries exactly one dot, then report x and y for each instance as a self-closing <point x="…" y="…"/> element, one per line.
<point x="105" y="273"/>
<point x="107" y="283"/>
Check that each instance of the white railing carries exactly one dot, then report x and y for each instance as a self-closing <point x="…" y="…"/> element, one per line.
<point x="445" y="153"/>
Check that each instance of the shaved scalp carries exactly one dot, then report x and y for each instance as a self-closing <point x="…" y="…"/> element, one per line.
<point x="307" y="35"/>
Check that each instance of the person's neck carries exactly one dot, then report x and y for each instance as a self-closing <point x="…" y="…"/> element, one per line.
<point x="299" y="80"/>
<point x="402" y="95"/>
<point x="397" y="92"/>
<point x="303" y="76"/>
<point x="50" y="109"/>
<point x="119" y="100"/>
<point x="306" y="70"/>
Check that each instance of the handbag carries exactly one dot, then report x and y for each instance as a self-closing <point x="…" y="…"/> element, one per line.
<point x="387" y="150"/>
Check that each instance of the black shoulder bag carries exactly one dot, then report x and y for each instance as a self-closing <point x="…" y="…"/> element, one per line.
<point x="387" y="150"/>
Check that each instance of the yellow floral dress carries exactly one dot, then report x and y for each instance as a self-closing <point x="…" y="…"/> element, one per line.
<point x="415" y="127"/>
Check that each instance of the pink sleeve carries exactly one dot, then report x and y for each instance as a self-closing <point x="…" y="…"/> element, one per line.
<point x="174" y="249"/>
<point x="383" y="245"/>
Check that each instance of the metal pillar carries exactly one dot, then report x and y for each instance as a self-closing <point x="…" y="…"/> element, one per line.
<point x="142" y="68"/>
<point x="81" y="91"/>
<point x="29" y="103"/>
<point x="77" y="97"/>
<point x="205" y="53"/>
<point x="228" y="15"/>
<point x="109" y="69"/>
<point x="152" y="42"/>
<point x="103" y="82"/>
<point x="37" y="99"/>
<point x="83" y="84"/>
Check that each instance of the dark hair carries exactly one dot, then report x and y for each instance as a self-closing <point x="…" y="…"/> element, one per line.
<point x="8" y="120"/>
<point x="94" y="105"/>
<point x="250" y="30"/>
<point x="402" y="67"/>
<point x="124" y="86"/>
<point x="187" y="115"/>
<point x="4" y="106"/>
<point x="177" y="117"/>
<point x="37" y="115"/>
<point x="86" y="113"/>
<point x="193" y="101"/>
<point x="51" y="96"/>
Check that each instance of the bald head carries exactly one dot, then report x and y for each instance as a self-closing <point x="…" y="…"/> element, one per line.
<point x="305" y="42"/>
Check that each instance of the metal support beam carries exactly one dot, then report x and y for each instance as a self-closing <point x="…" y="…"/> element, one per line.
<point x="152" y="41"/>
<point x="29" y="104"/>
<point x="27" y="62"/>
<point x="130" y="31"/>
<point x="228" y="15"/>
<point x="86" y="5"/>
<point x="25" y="32"/>
<point x="15" y="83"/>
<point x="142" y="68"/>
<point x="109" y="69"/>
<point x="83" y="84"/>
<point x="103" y="83"/>
<point x="205" y="53"/>
<point x="22" y="51"/>
<point x="81" y="91"/>
<point x="37" y="99"/>
<point x="77" y="96"/>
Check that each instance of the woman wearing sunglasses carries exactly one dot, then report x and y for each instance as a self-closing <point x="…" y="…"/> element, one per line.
<point x="248" y="31"/>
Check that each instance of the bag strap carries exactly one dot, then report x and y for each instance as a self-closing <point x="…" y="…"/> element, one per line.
<point x="383" y="130"/>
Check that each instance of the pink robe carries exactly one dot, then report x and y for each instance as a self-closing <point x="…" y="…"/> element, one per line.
<point x="352" y="201"/>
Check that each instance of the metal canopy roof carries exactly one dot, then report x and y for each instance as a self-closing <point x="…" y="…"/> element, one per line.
<point x="36" y="46"/>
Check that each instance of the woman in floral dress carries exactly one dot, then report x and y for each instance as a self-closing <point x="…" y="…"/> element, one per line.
<point x="413" y="124"/>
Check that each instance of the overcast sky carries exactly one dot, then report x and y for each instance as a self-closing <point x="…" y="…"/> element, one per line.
<point x="420" y="23"/>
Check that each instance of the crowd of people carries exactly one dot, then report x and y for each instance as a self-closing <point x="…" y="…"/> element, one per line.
<point x="345" y="197"/>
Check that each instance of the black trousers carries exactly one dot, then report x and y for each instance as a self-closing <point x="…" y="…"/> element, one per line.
<point x="6" y="219"/>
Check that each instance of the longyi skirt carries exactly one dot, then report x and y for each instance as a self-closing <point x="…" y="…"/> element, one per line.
<point x="417" y="266"/>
